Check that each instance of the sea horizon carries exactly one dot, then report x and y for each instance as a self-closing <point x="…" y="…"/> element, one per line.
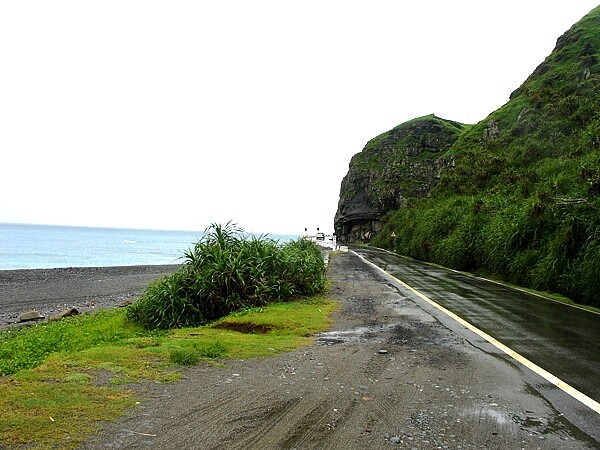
<point x="46" y="246"/>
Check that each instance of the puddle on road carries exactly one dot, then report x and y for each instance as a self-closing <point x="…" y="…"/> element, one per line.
<point x="488" y="412"/>
<point x="405" y="333"/>
<point x="541" y="426"/>
<point x="368" y="334"/>
<point x="527" y="421"/>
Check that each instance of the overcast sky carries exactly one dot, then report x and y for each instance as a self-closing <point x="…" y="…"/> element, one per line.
<point x="177" y="114"/>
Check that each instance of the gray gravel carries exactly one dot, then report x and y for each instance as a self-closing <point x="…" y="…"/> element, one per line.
<point x="86" y="288"/>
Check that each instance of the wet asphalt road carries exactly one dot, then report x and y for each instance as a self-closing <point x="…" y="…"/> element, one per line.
<point x="559" y="338"/>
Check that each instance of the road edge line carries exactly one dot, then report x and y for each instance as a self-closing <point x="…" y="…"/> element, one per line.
<point x="565" y="387"/>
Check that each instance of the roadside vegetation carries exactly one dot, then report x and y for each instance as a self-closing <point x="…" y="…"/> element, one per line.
<point x="53" y="396"/>
<point x="227" y="271"/>
<point x="523" y="201"/>
<point x="61" y="379"/>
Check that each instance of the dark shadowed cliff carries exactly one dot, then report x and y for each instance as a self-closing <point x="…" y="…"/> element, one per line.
<point x="402" y="163"/>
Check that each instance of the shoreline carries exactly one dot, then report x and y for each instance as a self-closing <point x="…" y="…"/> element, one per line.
<point x="50" y="291"/>
<point x="118" y="266"/>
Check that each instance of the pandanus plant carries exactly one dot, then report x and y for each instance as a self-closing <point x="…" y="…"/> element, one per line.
<point x="228" y="270"/>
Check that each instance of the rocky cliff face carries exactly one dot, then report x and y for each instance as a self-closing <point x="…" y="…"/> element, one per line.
<point x="403" y="163"/>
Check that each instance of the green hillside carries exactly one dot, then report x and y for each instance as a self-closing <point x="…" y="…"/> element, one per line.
<point x="522" y="200"/>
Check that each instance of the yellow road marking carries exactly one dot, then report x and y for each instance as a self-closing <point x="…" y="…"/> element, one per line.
<point x="499" y="283"/>
<point x="578" y="395"/>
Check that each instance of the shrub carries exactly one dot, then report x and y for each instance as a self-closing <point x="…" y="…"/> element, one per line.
<point x="226" y="271"/>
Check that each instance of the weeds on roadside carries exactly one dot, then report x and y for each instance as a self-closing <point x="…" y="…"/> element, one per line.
<point x="191" y="354"/>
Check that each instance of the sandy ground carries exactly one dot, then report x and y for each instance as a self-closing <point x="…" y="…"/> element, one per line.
<point x="387" y="375"/>
<point x="50" y="291"/>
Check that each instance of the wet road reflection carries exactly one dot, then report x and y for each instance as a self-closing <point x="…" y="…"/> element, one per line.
<point x="557" y="337"/>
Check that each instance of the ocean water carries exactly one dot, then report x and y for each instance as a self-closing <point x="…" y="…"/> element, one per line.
<point x="47" y="246"/>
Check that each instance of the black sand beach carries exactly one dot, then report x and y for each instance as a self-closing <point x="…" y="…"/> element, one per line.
<point x="50" y="291"/>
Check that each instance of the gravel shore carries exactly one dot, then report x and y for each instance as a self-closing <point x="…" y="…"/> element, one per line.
<point x="50" y="291"/>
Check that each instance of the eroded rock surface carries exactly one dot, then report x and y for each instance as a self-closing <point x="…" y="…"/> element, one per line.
<point x="402" y="163"/>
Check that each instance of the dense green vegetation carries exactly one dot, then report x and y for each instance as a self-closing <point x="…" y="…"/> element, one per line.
<point x="227" y="271"/>
<point x="440" y="133"/>
<point x="523" y="201"/>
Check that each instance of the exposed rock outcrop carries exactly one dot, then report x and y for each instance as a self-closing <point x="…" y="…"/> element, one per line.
<point x="30" y="316"/>
<point x="402" y="163"/>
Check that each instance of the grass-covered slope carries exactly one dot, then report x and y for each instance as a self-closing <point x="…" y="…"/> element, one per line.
<point x="401" y="163"/>
<point x="523" y="200"/>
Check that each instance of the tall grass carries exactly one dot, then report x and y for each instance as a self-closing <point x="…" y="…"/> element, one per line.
<point x="227" y="271"/>
<point x="542" y="242"/>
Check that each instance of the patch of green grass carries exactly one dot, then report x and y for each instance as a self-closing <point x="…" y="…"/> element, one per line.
<point x="56" y="414"/>
<point x="189" y="355"/>
<point x="290" y="325"/>
<point x="26" y="348"/>
<point x="60" y="398"/>
<point x="185" y="356"/>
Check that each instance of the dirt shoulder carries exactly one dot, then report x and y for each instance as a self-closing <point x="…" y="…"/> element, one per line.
<point x="388" y="375"/>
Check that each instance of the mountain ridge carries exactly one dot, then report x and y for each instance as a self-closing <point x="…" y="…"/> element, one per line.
<point x="516" y="195"/>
